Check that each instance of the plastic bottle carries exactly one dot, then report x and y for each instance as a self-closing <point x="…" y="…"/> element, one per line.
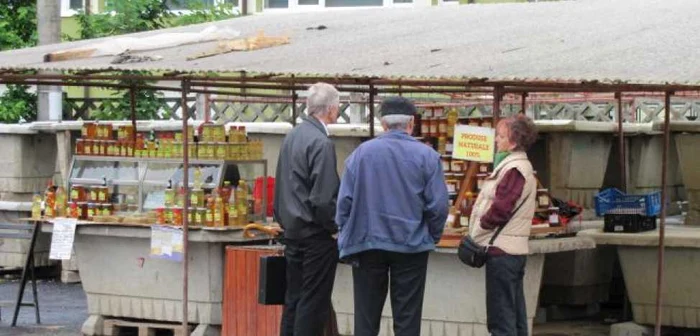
<point x="232" y="210"/>
<point x="198" y="178"/>
<point x="242" y="197"/>
<point x="169" y="195"/>
<point x="61" y="202"/>
<point x="219" y="215"/>
<point x="36" y="206"/>
<point x="50" y="201"/>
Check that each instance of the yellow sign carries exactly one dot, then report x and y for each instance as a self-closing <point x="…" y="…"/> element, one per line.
<point x="473" y="143"/>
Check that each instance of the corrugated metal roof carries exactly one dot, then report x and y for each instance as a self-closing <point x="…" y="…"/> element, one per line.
<point x="651" y="41"/>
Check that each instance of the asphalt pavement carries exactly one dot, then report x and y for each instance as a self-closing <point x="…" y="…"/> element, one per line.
<point x="62" y="307"/>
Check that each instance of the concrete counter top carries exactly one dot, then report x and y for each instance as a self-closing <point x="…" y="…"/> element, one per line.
<point x="676" y="236"/>
<point x="548" y="245"/>
<point x="228" y="235"/>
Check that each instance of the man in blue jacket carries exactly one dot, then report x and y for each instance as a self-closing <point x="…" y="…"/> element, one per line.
<point x="392" y="208"/>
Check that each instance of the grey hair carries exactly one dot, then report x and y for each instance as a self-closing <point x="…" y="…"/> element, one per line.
<point x="322" y="96"/>
<point x="397" y="121"/>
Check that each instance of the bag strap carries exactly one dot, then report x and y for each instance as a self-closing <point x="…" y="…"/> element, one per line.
<point x="500" y="228"/>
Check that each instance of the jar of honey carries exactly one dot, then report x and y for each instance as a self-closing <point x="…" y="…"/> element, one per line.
<point x="457" y="166"/>
<point x="425" y="126"/>
<point x="434" y="127"/>
<point x="210" y="149"/>
<point x="484" y="168"/>
<point x="449" y="147"/>
<point x="220" y="151"/>
<point x="80" y="147"/>
<point x="451" y="185"/>
<point x="160" y="216"/>
<point x="91" y="211"/>
<point x="442" y="127"/>
<point x="89" y="130"/>
<point x="445" y="163"/>
<point x="442" y="144"/>
<point x="78" y="193"/>
<point x="102" y="194"/>
<point x="177" y="216"/>
<point x="107" y="209"/>
<point x="82" y="208"/>
<point x="543" y="201"/>
<point x="199" y="214"/>
<point x="438" y="112"/>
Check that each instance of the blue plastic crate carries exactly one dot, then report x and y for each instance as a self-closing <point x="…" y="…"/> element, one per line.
<point x="614" y="201"/>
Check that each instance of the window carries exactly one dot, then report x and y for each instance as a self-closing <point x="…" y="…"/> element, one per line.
<point x="76" y="5"/>
<point x="183" y="4"/>
<point x="353" y="3"/>
<point x="276" y="3"/>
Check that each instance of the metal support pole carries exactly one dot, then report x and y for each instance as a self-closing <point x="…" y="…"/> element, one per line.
<point x="294" y="106"/>
<point x="185" y="219"/>
<point x="371" y="110"/>
<point x="523" y="103"/>
<point x="662" y="224"/>
<point x="497" y="95"/>
<point x="621" y="143"/>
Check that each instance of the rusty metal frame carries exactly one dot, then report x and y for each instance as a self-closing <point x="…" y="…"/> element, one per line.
<point x="373" y="86"/>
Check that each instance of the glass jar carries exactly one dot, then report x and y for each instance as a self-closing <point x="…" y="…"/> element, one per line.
<point x="434" y="127"/>
<point x="107" y="209"/>
<point x="457" y="166"/>
<point x="102" y="194"/>
<point x="160" y="216"/>
<point x="80" y="147"/>
<point x="177" y="216"/>
<point x="449" y="147"/>
<point x="91" y="211"/>
<point x="93" y="194"/>
<point x="442" y="144"/>
<point x="425" y="127"/>
<point x="445" y="163"/>
<point x="220" y="151"/>
<point x="82" y="210"/>
<point x="78" y="193"/>
<point x="442" y="127"/>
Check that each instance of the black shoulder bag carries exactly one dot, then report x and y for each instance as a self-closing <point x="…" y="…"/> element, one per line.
<point x="475" y="255"/>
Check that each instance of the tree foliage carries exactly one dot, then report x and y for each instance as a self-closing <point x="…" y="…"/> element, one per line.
<point x="17" y="30"/>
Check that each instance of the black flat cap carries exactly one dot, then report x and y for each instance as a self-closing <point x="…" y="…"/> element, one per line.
<point x="397" y="105"/>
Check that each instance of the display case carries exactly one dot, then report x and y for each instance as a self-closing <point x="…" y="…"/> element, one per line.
<point x="138" y="184"/>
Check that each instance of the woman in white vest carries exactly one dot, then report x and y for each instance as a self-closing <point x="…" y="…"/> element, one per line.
<point x="507" y="202"/>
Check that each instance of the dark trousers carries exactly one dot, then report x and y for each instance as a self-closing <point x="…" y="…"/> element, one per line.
<point x="505" y="300"/>
<point x="373" y="272"/>
<point x="311" y="264"/>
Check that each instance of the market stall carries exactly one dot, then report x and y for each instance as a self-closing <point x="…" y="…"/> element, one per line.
<point x="367" y="68"/>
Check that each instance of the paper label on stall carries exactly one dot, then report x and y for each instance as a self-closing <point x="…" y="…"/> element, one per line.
<point x="166" y="243"/>
<point x="62" y="238"/>
<point x="473" y="143"/>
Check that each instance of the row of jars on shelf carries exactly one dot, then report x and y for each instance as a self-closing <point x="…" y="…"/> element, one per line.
<point x="209" y="132"/>
<point x="445" y="126"/>
<point x="201" y="217"/>
<point x="252" y="150"/>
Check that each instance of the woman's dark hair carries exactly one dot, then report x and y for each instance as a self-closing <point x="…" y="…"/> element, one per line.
<point x="522" y="131"/>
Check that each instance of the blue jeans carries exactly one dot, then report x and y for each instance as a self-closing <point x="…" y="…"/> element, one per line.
<point x="505" y="300"/>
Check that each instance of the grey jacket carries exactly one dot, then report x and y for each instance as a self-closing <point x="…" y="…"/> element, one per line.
<point x="306" y="182"/>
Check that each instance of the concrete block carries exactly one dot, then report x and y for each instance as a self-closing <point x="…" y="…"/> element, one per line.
<point x="93" y="326"/>
<point x="70" y="277"/>
<point x="630" y="329"/>
<point x="577" y="164"/>
<point x="206" y="330"/>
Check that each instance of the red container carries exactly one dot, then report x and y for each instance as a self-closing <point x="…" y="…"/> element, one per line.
<point x="258" y="195"/>
<point x="242" y="314"/>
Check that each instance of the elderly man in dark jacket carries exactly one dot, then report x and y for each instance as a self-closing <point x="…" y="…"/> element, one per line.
<point x="306" y="188"/>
